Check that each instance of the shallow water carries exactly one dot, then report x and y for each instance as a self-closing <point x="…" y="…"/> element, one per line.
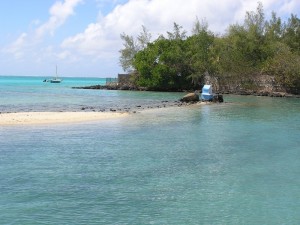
<point x="19" y="94"/>
<point x="232" y="163"/>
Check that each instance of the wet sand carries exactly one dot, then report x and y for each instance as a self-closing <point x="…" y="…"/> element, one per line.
<point x="32" y="118"/>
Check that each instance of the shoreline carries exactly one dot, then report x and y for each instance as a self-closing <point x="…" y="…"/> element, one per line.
<point x="262" y="92"/>
<point x="44" y="118"/>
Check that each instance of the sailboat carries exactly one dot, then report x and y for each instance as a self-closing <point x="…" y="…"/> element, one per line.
<point x="55" y="79"/>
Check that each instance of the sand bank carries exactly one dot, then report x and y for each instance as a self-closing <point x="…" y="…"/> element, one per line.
<point x="31" y="118"/>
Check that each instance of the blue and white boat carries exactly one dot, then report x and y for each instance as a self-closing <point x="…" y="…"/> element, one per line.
<point x="207" y="94"/>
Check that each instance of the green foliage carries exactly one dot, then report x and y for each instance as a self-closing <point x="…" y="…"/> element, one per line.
<point x="177" y="33"/>
<point x="143" y="38"/>
<point x="128" y="52"/>
<point x="200" y="53"/>
<point x="242" y="54"/>
<point x="132" y="47"/>
<point x="255" y="21"/>
<point x="285" y="65"/>
<point x="254" y="36"/>
<point x="161" y="65"/>
<point x="273" y="29"/>
<point x="236" y="53"/>
<point x="291" y="35"/>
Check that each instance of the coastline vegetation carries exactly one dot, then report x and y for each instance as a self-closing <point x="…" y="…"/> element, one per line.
<point x="241" y="56"/>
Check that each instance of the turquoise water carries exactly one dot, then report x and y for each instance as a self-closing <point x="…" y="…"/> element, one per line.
<point x="232" y="163"/>
<point x="32" y="94"/>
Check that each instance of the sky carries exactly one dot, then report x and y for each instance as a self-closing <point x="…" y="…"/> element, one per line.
<point x="82" y="37"/>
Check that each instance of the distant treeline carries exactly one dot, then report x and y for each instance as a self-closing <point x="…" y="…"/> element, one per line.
<point x="246" y="51"/>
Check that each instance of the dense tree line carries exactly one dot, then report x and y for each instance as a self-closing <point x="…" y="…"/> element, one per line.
<point x="245" y="52"/>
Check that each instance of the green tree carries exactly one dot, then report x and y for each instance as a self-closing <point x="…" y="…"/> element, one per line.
<point x="255" y="21"/>
<point x="131" y="47"/>
<point x="236" y="54"/>
<point x="200" y="55"/>
<point x="291" y="35"/>
<point x="234" y="68"/>
<point x="274" y="29"/>
<point x="161" y="66"/>
<point x="144" y="38"/>
<point x="128" y="52"/>
<point x="236" y="58"/>
<point x="285" y="65"/>
<point x="177" y="33"/>
<point x="242" y="50"/>
<point x="254" y="25"/>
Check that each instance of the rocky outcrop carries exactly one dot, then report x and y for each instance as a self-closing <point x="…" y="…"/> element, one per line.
<point x="258" y="85"/>
<point x="110" y="87"/>
<point x="191" y="97"/>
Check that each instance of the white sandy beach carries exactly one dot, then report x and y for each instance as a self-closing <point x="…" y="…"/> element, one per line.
<point x="32" y="118"/>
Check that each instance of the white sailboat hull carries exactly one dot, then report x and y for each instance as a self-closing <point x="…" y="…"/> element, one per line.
<point x="55" y="79"/>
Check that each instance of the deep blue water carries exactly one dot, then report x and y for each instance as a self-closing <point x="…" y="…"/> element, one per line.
<point x="231" y="163"/>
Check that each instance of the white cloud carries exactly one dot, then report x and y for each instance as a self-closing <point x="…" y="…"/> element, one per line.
<point x="290" y="6"/>
<point x="88" y="42"/>
<point x="158" y="17"/>
<point x="100" y="40"/>
<point x="59" y="13"/>
<point x="103" y="36"/>
<point x="29" y="43"/>
<point x="17" y="48"/>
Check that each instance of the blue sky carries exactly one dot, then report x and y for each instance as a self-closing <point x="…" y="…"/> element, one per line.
<point x="83" y="36"/>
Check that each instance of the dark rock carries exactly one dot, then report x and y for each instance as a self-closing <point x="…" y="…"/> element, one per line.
<point x="277" y="94"/>
<point x="245" y="92"/>
<point x="262" y="93"/>
<point x="124" y="87"/>
<point x="218" y="98"/>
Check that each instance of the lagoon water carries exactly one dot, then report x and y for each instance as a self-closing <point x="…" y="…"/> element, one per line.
<point x="231" y="163"/>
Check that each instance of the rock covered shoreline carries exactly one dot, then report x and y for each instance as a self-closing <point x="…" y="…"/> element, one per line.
<point x="186" y="100"/>
<point x="280" y="94"/>
<point x="118" y="109"/>
<point x="138" y="107"/>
